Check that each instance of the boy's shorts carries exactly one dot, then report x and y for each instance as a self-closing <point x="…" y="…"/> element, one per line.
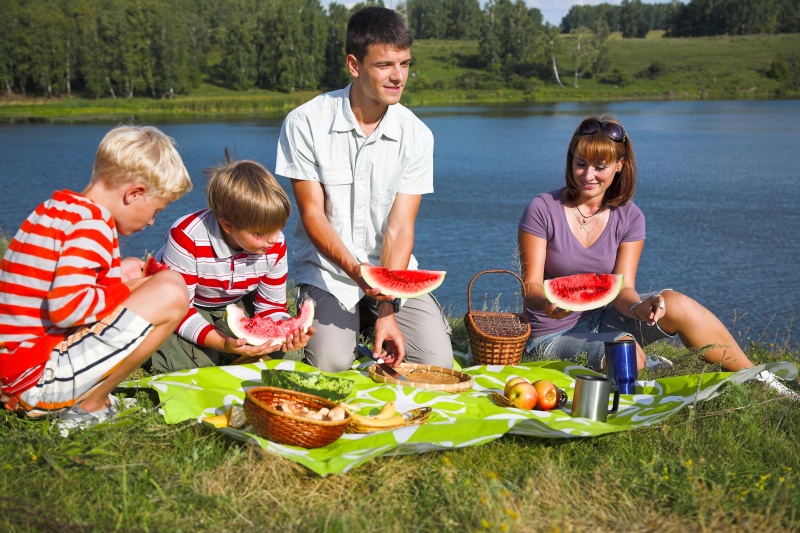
<point x="589" y="336"/>
<point x="82" y="361"/>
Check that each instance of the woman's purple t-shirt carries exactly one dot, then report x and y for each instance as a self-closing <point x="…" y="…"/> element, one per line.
<point x="545" y="218"/>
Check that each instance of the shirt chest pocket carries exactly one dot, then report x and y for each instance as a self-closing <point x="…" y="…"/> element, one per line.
<point x="338" y="187"/>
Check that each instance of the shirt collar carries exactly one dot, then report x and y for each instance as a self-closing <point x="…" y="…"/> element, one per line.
<point x="218" y="244"/>
<point x="345" y="120"/>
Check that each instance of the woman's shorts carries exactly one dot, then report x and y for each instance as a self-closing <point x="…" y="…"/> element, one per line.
<point x="82" y="361"/>
<point x="588" y="337"/>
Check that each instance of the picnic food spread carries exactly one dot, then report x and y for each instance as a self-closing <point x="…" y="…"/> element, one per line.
<point x="262" y="330"/>
<point x="583" y="292"/>
<point x="402" y="283"/>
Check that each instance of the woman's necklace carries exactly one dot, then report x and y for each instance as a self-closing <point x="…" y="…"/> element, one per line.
<point x="585" y="218"/>
<point x="582" y="225"/>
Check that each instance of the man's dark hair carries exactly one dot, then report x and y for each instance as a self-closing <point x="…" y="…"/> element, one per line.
<point x="376" y="25"/>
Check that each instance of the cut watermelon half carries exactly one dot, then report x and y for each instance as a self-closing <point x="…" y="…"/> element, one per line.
<point x="583" y="292"/>
<point x="262" y="329"/>
<point x="402" y="283"/>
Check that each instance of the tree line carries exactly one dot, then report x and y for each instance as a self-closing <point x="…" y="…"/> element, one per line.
<point x="159" y="48"/>
<point x="697" y="18"/>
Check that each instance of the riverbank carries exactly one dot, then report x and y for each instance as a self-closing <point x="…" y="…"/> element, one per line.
<point x="445" y="73"/>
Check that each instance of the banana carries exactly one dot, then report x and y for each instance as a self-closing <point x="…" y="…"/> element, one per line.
<point x="387" y="411"/>
<point x="218" y="421"/>
<point x="378" y="423"/>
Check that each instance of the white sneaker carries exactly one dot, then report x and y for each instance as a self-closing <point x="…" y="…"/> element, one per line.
<point x="773" y="382"/>
<point x="76" y="417"/>
<point x="656" y="362"/>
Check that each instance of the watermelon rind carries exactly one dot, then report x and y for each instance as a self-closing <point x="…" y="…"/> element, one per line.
<point x="328" y="387"/>
<point x="235" y="315"/>
<point x="583" y="292"/>
<point x="396" y="283"/>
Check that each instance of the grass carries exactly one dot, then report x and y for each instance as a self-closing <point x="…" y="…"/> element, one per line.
<point x="448" y="72"/>
<point x="731" y="463"/>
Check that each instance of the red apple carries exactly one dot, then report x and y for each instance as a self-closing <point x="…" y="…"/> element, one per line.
<point x="523" y="394"/>
<point x="547" y="394"/>
<point x="511" y="382"/>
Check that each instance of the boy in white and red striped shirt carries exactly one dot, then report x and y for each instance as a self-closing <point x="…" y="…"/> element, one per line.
<point x="232" y="252"/>
<point x="75" y="319"/>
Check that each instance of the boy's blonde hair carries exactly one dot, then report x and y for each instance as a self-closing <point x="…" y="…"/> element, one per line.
<point x="245" y="194"/>
<point x="129" y="154"/>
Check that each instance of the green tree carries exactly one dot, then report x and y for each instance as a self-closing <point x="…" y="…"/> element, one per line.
<point x="239" y="56"/>
<point x="463" y="19"/>
<point x="489" y="44"/>
<point x="9" y="28"/>
<point x="585" y="51"/>
<point x="552" y="46"/>
<point x="336" y="74"/>
<point x="632" y="21"/>
<point x="426" y="18"/>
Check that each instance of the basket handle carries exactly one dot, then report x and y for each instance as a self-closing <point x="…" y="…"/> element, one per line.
<point x="469" y="288"/>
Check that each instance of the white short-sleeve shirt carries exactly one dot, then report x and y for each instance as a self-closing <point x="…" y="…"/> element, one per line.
<point x="321" y="141"/>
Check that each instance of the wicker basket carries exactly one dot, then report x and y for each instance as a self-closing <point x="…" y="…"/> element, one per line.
<point x="283" y="428"/>
<point x="426" y="377"/>
<point x="496" y="338"/>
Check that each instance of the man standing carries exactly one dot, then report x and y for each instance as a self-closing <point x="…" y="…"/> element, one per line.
<point x="359" y="163"/>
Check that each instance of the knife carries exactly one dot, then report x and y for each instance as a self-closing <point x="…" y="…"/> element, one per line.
<point x="387" y="369"/>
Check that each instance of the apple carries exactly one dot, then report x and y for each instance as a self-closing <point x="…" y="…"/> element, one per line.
<point x="547" y="395"/>
<point x="511" y="382"/>
<point x="523" y="394"/>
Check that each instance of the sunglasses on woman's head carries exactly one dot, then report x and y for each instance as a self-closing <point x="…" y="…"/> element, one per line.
<point x="612" y="131"/>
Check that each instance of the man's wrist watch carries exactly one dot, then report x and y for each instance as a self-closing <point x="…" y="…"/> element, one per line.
<point x="395" y="304"/>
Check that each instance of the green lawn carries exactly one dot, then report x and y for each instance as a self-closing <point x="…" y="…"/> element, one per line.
<point x="731" y="463"/>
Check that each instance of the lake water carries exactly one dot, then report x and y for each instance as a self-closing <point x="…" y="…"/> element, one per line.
<point x="719" y="186"/>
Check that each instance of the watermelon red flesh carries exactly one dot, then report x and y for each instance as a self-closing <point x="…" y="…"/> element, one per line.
<point x="402" y="283"/>
<point x="262" y="330"/>
<point x="583" y="292"/>
<point x="151" y="266"/>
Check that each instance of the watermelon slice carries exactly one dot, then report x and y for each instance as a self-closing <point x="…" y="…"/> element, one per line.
<point x="583" y="292"/>
<point x="151" y="266"/>
<point x="402" y="283"/>
<point x="261" y="329"/>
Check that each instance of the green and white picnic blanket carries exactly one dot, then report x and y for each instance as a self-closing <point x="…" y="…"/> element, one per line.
<point x="466" y="419"/>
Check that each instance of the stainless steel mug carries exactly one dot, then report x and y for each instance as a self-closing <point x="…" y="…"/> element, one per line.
<point x="621" y="364"/>
<point x="591" y="397"/>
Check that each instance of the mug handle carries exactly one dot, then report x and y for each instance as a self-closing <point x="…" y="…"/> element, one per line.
<point x="615" y="407"/>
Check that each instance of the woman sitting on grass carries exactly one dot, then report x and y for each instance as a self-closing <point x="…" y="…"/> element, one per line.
<point x="591" y="225"/>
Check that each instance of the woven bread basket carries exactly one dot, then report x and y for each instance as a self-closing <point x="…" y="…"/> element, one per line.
<point x="260" y="409"/>
<point x="496" y="338"/>
<point x="426" y="377"/>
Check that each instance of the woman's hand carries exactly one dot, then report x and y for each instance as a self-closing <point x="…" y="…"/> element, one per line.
<point x="651" y="310"/>
<point x="553" y="311"/>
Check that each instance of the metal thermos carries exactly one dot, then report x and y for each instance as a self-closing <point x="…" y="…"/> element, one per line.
<point x="591" y="397"/>
<point x="621" y="364"/>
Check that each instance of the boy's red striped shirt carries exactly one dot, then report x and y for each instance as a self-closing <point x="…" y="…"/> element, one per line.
<point x="61" y="271"/>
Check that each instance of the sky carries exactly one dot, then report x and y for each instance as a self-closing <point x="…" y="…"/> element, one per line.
<point x="552" y="10"/>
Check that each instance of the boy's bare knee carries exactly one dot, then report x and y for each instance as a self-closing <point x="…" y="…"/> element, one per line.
<point x="175" y="295"/>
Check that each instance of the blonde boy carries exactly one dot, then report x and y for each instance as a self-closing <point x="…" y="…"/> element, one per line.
<point x="75" y="319"/>
<point x="232" y="252"/>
